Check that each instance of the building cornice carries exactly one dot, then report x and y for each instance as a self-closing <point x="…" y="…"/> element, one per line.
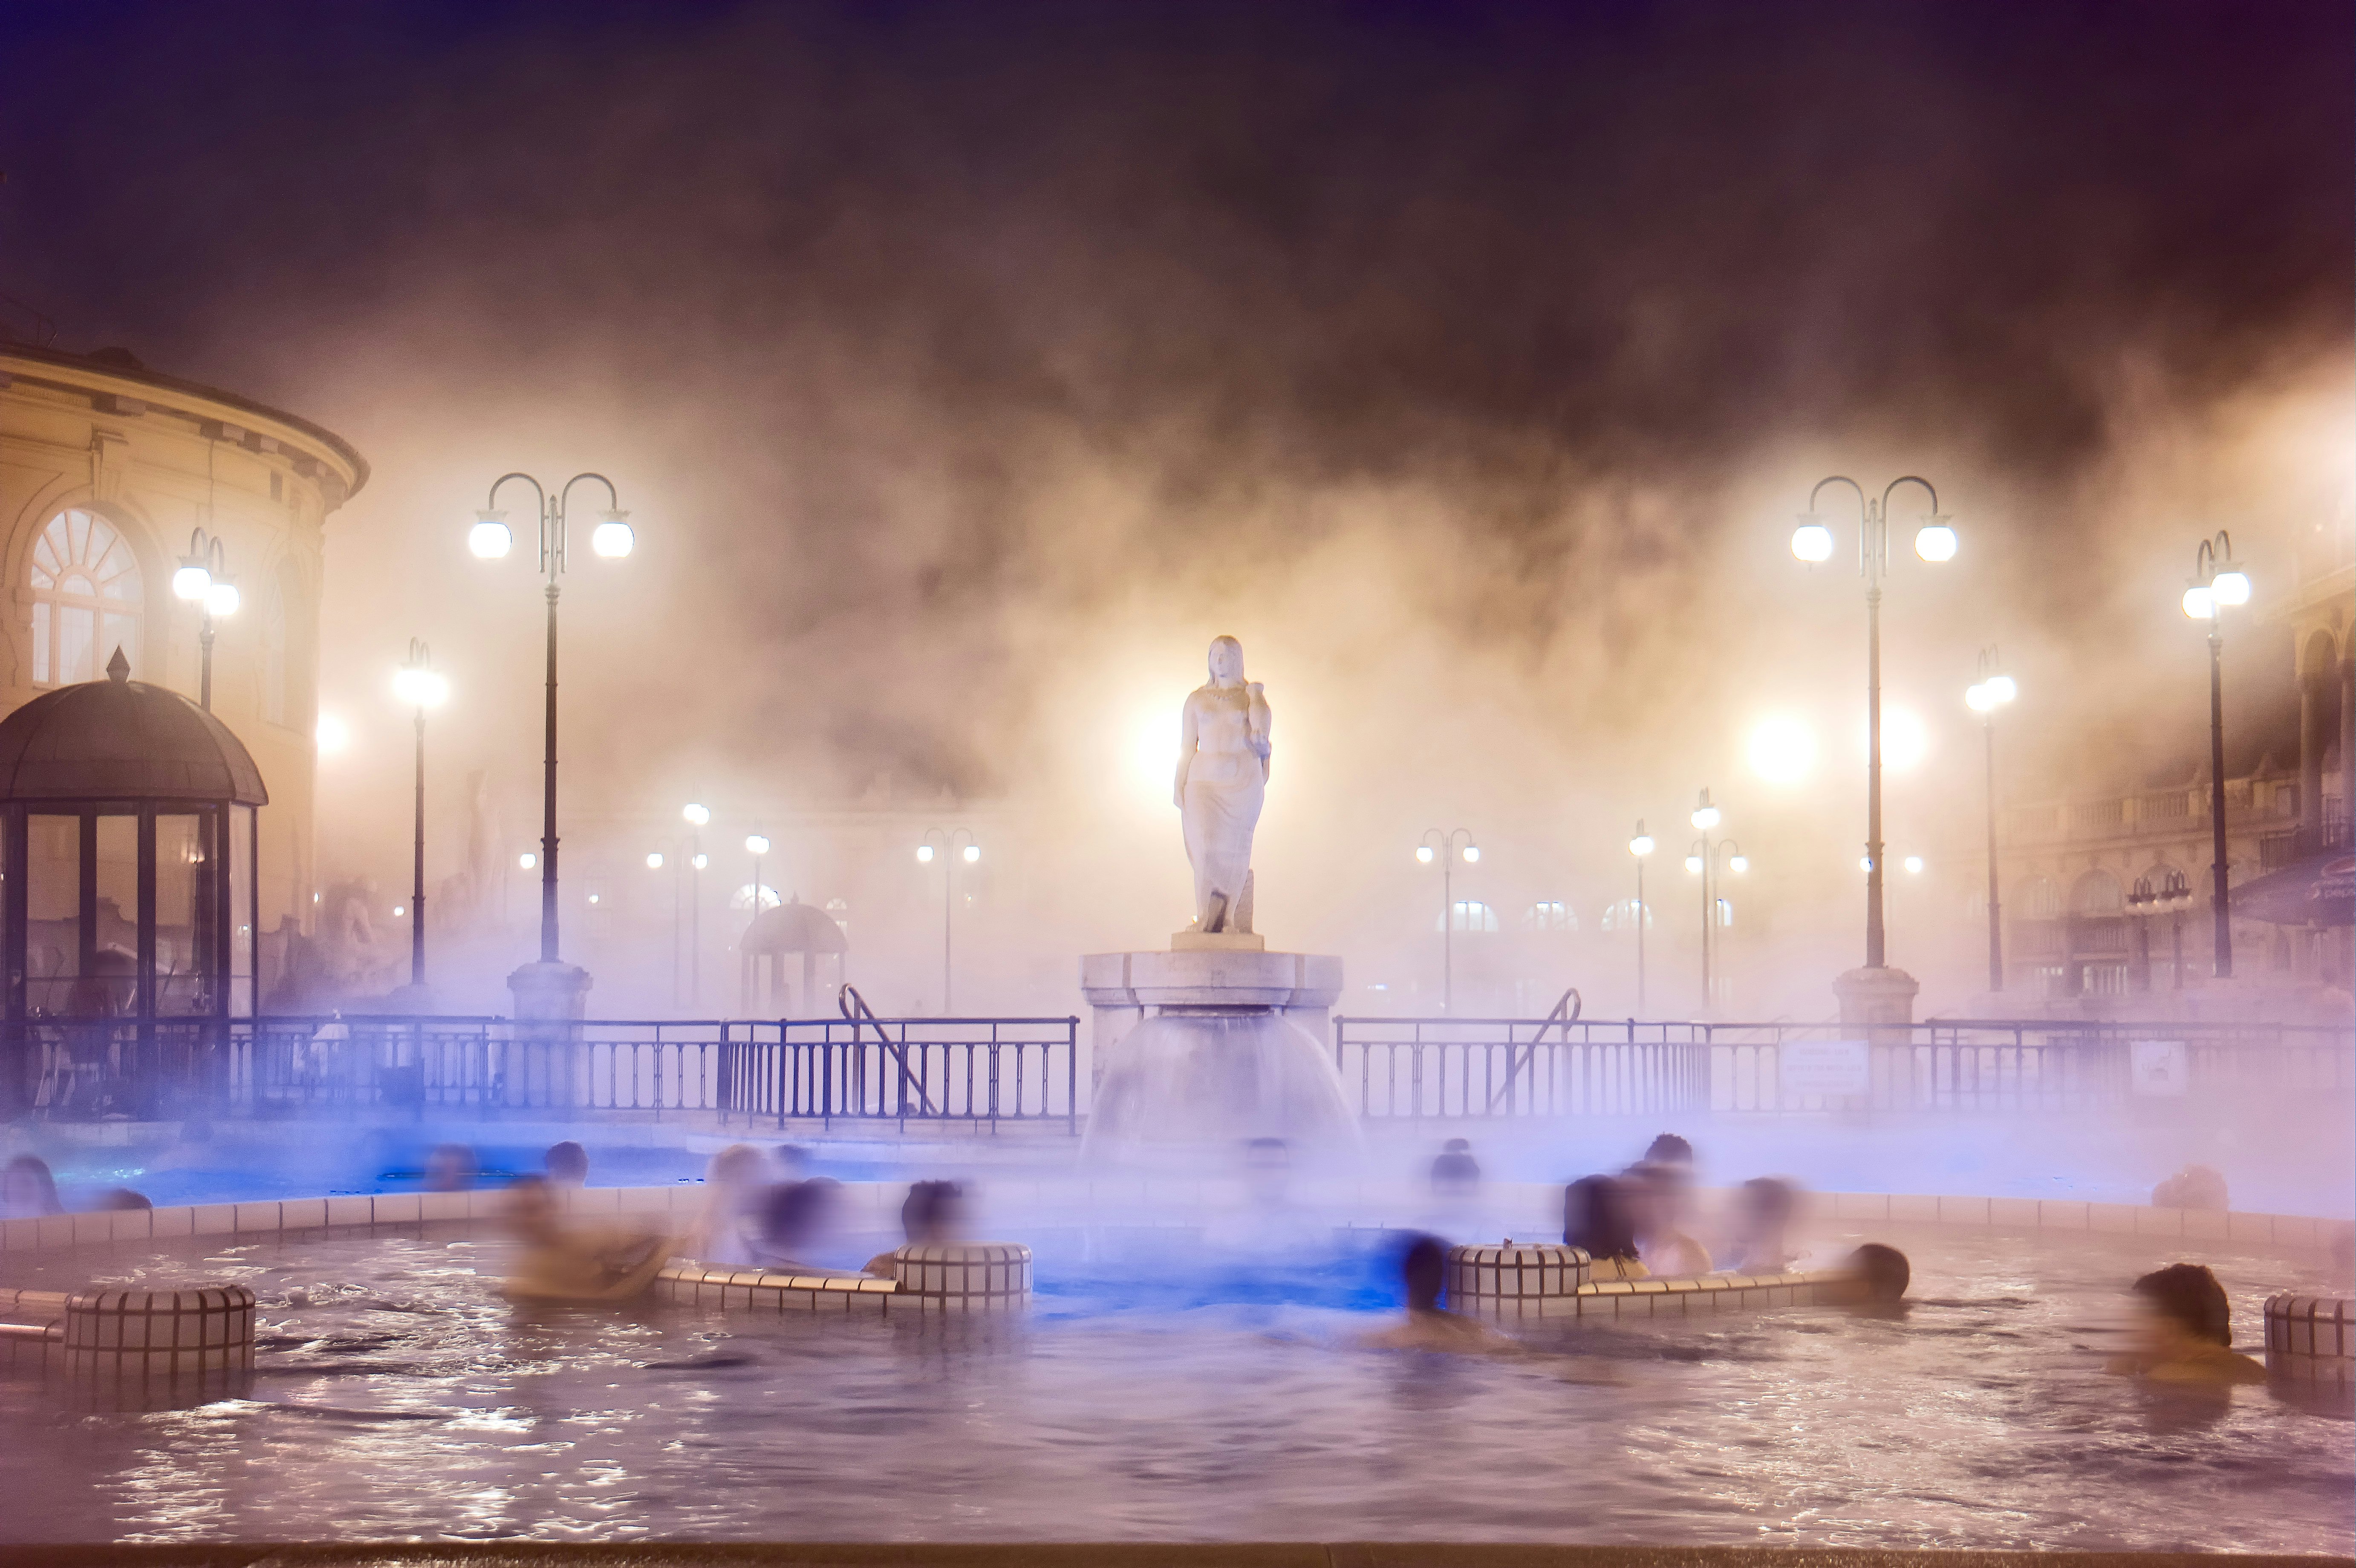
<point x="128" y="390"/>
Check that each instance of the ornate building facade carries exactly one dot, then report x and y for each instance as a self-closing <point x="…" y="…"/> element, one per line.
<point x="107" y="470"/>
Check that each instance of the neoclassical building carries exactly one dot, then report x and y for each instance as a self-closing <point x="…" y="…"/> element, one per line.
<point x="107" y="469"/>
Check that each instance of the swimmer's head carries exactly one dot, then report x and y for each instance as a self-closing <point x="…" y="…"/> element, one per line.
<point x="1669" y="1150"/>
<point x="2186" y="1298"/>
<point x="567" y="1163"/>
<point x="1768" y="1201"/>
<point x="1425" y="1268"/>
<point x="1596" y="1217"/>
<point x="1455" y="1171"/>
<point x="737" y="1165"/>
<point x="1884" y="1272"/>
<point x="933" y="1211"/>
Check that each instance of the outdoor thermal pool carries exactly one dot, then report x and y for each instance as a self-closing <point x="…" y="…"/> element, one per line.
<point x="1154" y="1394"/>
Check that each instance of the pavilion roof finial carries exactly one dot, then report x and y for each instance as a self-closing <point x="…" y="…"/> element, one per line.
<point x="118" y="668"/>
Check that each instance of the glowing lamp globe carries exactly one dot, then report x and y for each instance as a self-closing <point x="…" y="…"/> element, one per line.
<point x="2199" y="604"/>
<point x="924" y="854"/>
<point x="331" y="734"/>
<point x="2000" y="689"/>
<point x="221" y="599"/>
<point x="972" y="853"/>
<point x="1641" y="845"/>
<point x="1471" y="854"/>
<point x="696" y="816"/>
<point x="1936" y="542"/>
<point x="755" y="844"/>
<point x="701" y="862"/>
<point x="1423" y="853"/>
<point x="1811" y="541"/>
<point x="612" y="539"/>
<point x="490" y="538"/>
<point x="191" y="580"/>
<point x="1706" y="817"/>
<point x="1977" y="698"/>
<point x="527" y="861"/>
<point x="1915" y="865"/>
<point x="1739" y="863"/>
<point x="420" y="687"/>
<point x="1693" y="862"/>
<point x="654" y="862"/>
<point x="2229" y="587"/>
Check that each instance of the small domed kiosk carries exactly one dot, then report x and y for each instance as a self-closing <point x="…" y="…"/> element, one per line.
<point x="126" y="916"/>
<point x="792" y="927"/>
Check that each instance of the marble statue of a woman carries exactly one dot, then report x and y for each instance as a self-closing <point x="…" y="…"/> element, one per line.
<point x="1222" y="759"/>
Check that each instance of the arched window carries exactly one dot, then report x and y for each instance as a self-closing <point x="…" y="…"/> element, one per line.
<point x="1622" y="916"/>
<point x="2097" y="892"/>
<point x="87" y="599"/>
<point x="1472" y="915"/>
<point x="1548" y="915"/>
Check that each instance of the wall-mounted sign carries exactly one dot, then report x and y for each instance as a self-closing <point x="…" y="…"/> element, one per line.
<point x="2159" y="1067"/>
<point x="1832" y="1067"/>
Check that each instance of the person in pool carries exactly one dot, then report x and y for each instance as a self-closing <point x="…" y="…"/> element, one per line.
<point x="28" y="1190"/>
<point x="933" y="1211"/>
<point x="1430" y="1326"/>
<point x="722" y="1234"/>
<point x="567" y="1163"/>
<point x="2184" y="1332"/>
<point x="1596" y="1217"/>
<point x="573" y="1261"/>
<point x="1763" y="1207"/>
<point x="1657" y="1194"/>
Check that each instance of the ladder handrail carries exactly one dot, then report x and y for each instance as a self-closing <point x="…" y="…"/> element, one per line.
<point x="848" y="998"/>
<point x="1565" y="1012"/>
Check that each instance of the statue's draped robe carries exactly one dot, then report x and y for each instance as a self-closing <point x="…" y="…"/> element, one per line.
<point x="1226" y="782"/>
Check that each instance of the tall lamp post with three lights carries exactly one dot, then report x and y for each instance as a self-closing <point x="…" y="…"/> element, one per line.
<point x="551" y="988"/>
<point x="1443" y="846"/>
<point x="1875" y="994"/>
<point x="941" y="843"/>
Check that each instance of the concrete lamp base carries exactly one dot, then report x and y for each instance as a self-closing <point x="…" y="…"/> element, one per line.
<point x="550" y="990"/>
<point x="1872" y="998"/>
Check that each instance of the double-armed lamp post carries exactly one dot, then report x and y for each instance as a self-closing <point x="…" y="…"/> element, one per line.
<point x="490" y="540"/>
<point x="943" y="844"/>
<point x="419" y="684"/>
<point x="1712" y="861"/>
<point x="2218" y="584"/>
<point x="1812" y="542"/>
<point x="202" y="579"/>
<point x="1444" y="848"/>
<point x="1993" y="690"/>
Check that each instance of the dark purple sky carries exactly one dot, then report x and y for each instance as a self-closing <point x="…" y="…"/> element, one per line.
<point x="852" y="293"/>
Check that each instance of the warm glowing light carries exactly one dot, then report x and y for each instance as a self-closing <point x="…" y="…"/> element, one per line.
<point x="527" y="861"/>
<point x="2229" y="587"/>
<point x="1739" y="864"/>
<point x="1471" y="854"/>
<point x="490" y="538"/>
<point x="1705" y="816"/>
<point x="1693" y="862"/>
<point x="924" y="854"/>
<point x="1811" y="541"/>
<point x="2199" y="604"/>
<point x="190" y="580"/>
<point x="398" y="911"/>
<point x="1782" y="749"/>
<point x="1423" y="853"/>
<point x="1936" y="542"/>
<point x="221" y="599"/>
<point x="331" y="734"/>
<point x="1913" y="864"/>
<point x="755" y="844"/>
<point x="2001" y="690"/>
<point x="654" y="862"/>
<point x="972" y="853"/>
<point x="612" y="539"/>
<point x="1865" y="862"/>
<point x="592" y="898"/>
<point x="420" y="687"/>
<point x="1641" y="845"/>
<point x="701" y="862"/>
<point x="696" y="816"/>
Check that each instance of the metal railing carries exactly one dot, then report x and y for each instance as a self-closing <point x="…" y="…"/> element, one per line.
<point x="969" y="1070"/>
<point x="1518" y="1067"/>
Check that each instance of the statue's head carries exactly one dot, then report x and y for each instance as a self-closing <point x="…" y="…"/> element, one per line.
<point x="1227" y="659"/>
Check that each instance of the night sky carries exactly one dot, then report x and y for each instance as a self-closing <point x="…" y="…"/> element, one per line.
<point x="1478" y="353"/>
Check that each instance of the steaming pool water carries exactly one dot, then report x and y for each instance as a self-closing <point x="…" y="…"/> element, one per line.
<point x="396" y="1396"/>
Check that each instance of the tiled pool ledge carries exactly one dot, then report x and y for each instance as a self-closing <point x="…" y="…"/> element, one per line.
<point x="874" y="1205"/>
<point x="1548" y="1280"/>
<point x="958" y="1277"/>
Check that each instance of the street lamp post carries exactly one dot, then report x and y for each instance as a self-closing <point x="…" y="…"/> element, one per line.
<point x="756" y="845"/>
<point x="202" y="579"/>
<point x="1704" y="816"/>
<point x="417" y="683"/>
<point x="1639" y="847"/>
<point x="2218" y="584"/>
<point x="697" y="818"/>
<point x="949" y="853"/>
<point x="490" y="540"/>
<point x="1811" y="541"/>
<point x="1991" y="691"/>
<point x="1445" y="847"/>
<point x="2168" y="897"/>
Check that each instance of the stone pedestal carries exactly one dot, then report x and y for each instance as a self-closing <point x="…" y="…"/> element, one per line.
<point x="1211" y="971"/>
<point x="1876" y="999"/>
<point x="550" y="990"/>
